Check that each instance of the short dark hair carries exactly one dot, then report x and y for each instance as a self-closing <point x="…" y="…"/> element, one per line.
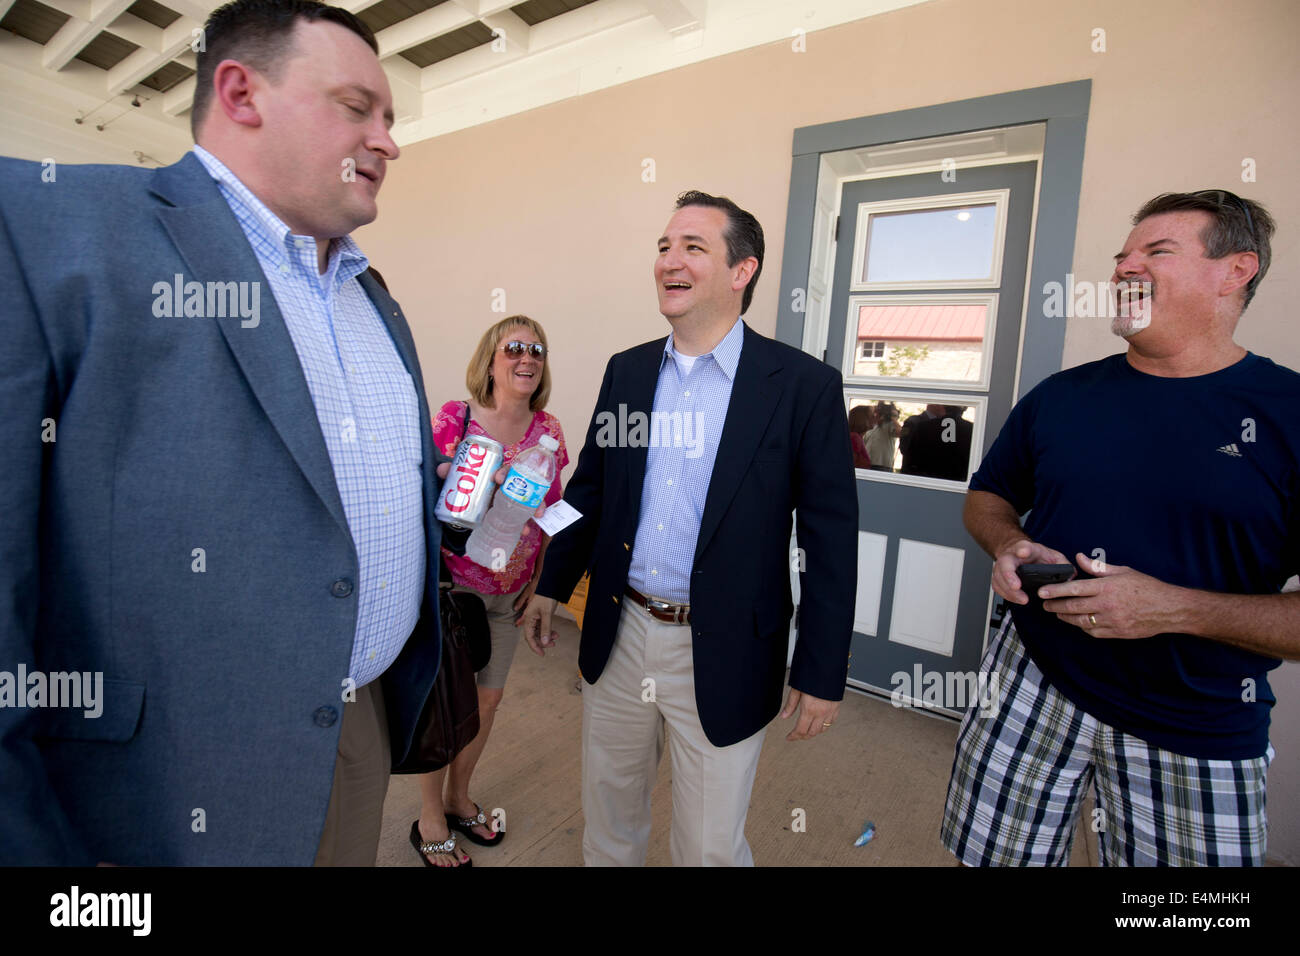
<point x="744" y="236"/>
<point x="1236" y="225"/>
<point x="260" y="34"/>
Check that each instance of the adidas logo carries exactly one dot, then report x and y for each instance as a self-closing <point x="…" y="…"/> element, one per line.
<point x="1230" y="450"/>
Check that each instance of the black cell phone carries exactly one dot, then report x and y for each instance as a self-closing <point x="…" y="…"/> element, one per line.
<point x="1034" y="576"/>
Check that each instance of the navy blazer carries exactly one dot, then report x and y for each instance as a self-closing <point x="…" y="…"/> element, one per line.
<point x="223" y="689"/>
<point x="784" y="447"/>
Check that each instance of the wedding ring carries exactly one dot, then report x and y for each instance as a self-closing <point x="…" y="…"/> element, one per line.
<point x="827" y="723"/>
<point x="1092" y="620"/>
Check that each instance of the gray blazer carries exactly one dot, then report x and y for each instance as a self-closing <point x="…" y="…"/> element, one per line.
<point x="222" y="692"/>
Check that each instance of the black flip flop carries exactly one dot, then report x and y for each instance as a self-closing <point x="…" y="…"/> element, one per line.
<point x="446" y="846"/>
<point x="466" y="826"/>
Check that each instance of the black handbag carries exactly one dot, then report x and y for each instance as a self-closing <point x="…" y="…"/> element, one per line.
<point x="466" y="612"/>
<point x="449" y="720"/>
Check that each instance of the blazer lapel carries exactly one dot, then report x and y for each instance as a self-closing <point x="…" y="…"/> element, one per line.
<point x="215" y="248"/>
<point x="643" y="380"/>
<point x="754" y="395"/>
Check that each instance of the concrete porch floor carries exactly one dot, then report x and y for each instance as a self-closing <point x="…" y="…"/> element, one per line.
<point x="880" y="763"/>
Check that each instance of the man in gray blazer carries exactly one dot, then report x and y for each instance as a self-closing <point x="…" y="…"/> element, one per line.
<point x="218" y="592"/>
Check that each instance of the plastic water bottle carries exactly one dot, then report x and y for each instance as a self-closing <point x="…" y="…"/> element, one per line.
<point x="516" y="500"/>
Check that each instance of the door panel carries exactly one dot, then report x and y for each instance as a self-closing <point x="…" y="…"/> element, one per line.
<point x="919" y="344"/>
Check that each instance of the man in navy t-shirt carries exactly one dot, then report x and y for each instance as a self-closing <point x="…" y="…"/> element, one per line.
<point x="1172" y="474"/>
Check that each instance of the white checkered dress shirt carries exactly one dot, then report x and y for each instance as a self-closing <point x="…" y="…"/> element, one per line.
<point x="369" y="416"/>
<point x="679" y="466"/>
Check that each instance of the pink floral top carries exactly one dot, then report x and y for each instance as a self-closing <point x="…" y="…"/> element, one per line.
<point x="519" y="569"/>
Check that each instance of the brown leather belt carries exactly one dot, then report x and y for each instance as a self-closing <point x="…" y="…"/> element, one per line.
<point x="661" y="610"/>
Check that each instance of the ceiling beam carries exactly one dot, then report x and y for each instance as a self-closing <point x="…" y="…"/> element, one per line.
<point x="140" y="32"/>
<point x="567" y="28"/>
<point x="676" y="16"/>
<point x="485" y="8"/>
<point x="404" y="80"/>
<point x="194" y="9"/>
<point x="73" y="8"/>
<point x="442" y="19"/>
<point x="166" y="45"/>
<point x="76" y="33"/>
<point x="180" y="97"/>
<point x="508" y="26"/>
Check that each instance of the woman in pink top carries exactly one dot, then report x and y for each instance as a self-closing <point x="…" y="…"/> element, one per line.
<point x="509" y="382"/>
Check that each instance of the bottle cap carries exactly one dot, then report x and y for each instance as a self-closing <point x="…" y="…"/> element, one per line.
<point x="548" y="442"/>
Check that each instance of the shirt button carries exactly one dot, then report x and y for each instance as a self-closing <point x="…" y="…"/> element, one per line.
<point x="654" y="570"/>
<point x="687" y="394"/>
<point x="371" y="656"/>
<point x="383" y="584"/>
<point x="299" y="243"/>
<point x="284" y="267"/>
<point x="341" y="588"/>
<point x="661" y="526"/>
<point x="670" y="481"/>
<point x="385" y="511"/>
<point x="325" y="716"/>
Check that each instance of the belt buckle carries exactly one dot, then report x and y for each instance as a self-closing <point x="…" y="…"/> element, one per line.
<point x="663" y="607"/>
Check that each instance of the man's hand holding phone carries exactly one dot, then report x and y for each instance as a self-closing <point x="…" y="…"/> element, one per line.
<point x="1031" y="557"/>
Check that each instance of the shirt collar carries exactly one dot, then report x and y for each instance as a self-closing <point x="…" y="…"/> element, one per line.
<point x="345" y="257"/>
<point x="726" y="354"/>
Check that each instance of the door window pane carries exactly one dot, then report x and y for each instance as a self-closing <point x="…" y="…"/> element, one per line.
<point x="931" y="341"/>
<point x="928" y="439"/>
<point x="931" y="245"/>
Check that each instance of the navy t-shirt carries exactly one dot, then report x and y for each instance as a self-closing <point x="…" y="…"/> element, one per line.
<point x="1194" y="481"/>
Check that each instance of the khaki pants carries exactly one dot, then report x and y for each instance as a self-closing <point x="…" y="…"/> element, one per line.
<point x="648" y="686"/>
<point x="356" y="807"/>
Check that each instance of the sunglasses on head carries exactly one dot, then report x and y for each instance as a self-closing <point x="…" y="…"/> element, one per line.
<point x="517" y="349"/>
<point x="1224" y="198"/>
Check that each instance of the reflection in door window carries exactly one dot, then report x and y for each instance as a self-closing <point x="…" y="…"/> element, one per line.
<point x="930" y="440"/>
<point x="932" y="245"/>
<point x="930" y="342"/>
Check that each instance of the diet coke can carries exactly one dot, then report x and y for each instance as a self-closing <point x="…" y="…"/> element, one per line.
<point x="467" y="489"/>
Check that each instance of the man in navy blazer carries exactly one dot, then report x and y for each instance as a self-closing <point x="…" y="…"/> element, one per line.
<point x="195" y="524"/>
<point x="686" y="532"/>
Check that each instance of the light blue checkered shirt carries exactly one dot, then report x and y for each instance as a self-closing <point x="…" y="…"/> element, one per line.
<point x="689" y="412"/>
<point x="368" y="413"/>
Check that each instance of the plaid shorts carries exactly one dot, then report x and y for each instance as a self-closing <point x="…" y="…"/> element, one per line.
<point x="1020" y="773"/>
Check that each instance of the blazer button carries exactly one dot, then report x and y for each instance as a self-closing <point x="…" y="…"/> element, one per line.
<point x="325" y="716"/>
<point x="613" y="598"/>
<point x="626" y="546"/>
<point x="341" y="588"/>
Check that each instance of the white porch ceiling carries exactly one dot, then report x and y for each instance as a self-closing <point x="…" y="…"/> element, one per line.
<point x="452" y="63"/>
